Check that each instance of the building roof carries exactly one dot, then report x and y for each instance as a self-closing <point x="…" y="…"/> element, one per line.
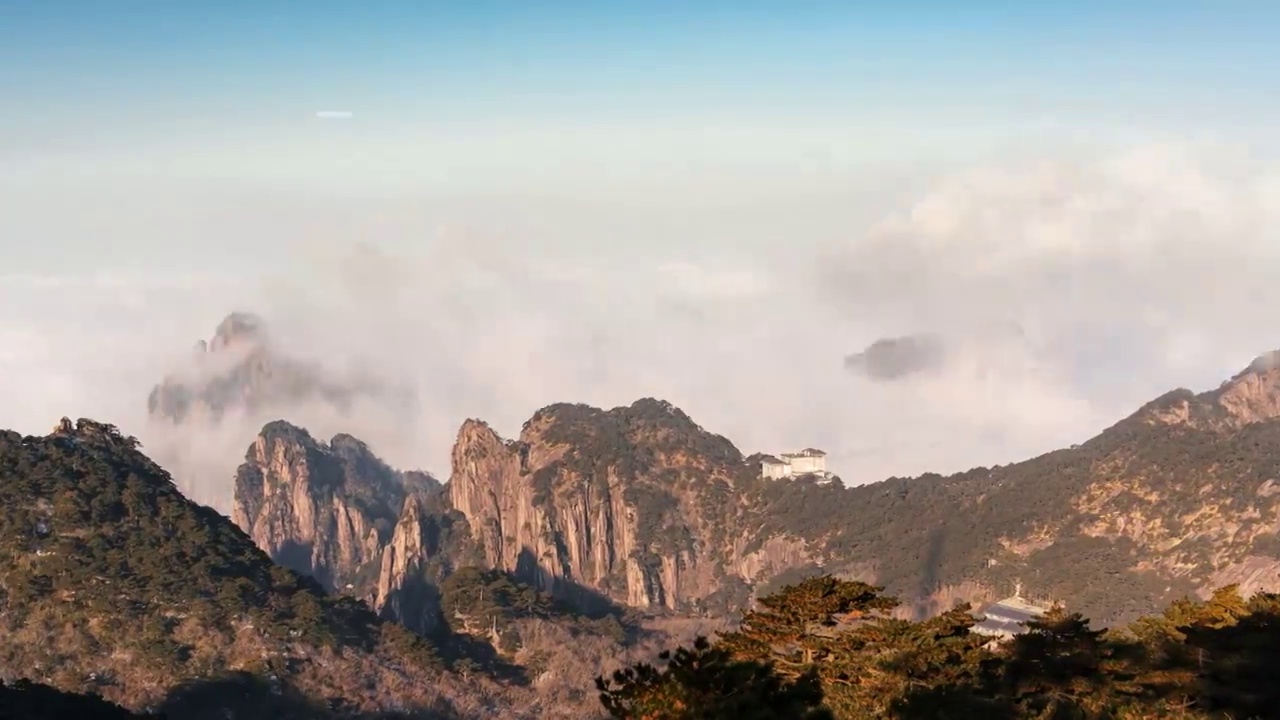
<point x="807" y="452"/>
<point x="1009" y="617"/>
<point x="771" y="460"/>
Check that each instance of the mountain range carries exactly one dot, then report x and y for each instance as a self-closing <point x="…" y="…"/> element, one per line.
<point x="343" y="587"/>
<point x="642" y="507"/>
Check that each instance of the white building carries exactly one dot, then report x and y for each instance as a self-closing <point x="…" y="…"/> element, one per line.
<point x="1009" y="617"/>
<point x="809" y="461"/>
<point x="771" y="468"/>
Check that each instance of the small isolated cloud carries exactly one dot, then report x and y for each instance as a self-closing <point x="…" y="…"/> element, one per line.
<point x="896" y="358"/>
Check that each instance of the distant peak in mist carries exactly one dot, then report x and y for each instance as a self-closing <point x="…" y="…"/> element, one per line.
<point x="241" y="370"/>
<point x="238" y="327"/>
<point x="215" y="400"/>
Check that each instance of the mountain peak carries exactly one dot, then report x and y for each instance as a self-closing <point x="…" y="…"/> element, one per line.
<point x="85" y="430"/>
<point x="1252" y="395"/>
<point x="286" y="429"/>
<point x="240" y="371"/>
<point x="322" y="509"/>
<point x="236" y="328"/>
<point x="1265" y="362"/>
<point x="635" y="504"/>
<point x="654" y="409"/>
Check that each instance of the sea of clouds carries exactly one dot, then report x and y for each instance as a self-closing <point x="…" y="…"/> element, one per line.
<point x="1020" y="306"/>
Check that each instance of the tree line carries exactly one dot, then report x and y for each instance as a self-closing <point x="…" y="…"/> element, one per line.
<point x="829" y="649"/>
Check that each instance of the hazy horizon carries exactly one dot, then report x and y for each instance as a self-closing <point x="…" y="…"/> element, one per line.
<point x="714" y="205"/>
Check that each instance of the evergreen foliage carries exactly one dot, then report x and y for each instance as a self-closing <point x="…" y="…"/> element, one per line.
<point x="829" y="646"/>
<point x="706" y="683"/>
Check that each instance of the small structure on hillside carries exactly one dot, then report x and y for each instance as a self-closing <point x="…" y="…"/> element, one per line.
<point x="810" y="461"/>
<point x="771" y="468"/>
<point x="1010" y="616"/>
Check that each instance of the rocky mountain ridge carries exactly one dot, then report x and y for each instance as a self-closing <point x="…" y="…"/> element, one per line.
<point x="639" y="505"/>
<point x="337" y="513"/>
<point x="1174" y="499"/>
<point x="623" y="506"/>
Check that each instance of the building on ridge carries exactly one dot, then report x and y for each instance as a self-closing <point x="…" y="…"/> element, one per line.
<point x="771" y="468"/>
<point x="810" y="461"/>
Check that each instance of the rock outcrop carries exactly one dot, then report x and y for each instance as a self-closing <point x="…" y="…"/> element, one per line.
<point x="322" y="510"/>
<point x="339" y="514"/>
<point x="637" y="504"/>
<point x="643" y="506"/>
<point x="430" y="541"/>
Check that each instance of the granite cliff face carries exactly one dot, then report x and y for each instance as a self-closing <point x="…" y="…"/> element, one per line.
<point x="430" y="541"/>
<point x="337" y="513"/>
<point x="322" y="510"/>
<point x="637" y="504"/>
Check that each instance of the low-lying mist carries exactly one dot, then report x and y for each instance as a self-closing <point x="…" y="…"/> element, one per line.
<point x="1056" y="296"/>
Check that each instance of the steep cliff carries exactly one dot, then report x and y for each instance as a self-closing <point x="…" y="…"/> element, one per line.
<point x="339" y="514"/>
<point x="430" y="541"/>
<point x="322" y="510"/>
<point x="636" y="504"/>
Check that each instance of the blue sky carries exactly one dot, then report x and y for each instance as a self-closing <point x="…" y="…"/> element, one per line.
<point x="231" y="88"/>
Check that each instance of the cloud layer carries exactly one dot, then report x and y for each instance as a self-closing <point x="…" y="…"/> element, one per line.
<point x="1057" y="296"/>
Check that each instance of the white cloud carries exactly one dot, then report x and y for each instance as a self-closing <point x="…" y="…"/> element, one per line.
<point x="1066" y="293"/>
<point x="1114" y="277"/>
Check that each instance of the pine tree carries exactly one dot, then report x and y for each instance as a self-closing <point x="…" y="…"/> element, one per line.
<point x="794" y="628"/>
<point x="889" y="666"/>
<point x="1236" y="656"/>
<point x="1174" y="664"/>
<point x="1062" y="668"/>
<point x="705" y="683"/>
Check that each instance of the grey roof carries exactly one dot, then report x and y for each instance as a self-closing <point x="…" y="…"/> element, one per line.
<point x="1008" y="617"/>
<point x="807" y="452"/>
